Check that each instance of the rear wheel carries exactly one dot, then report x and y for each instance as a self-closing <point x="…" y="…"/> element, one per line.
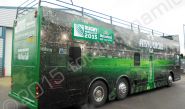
<point x="98" y="94"/>
<point x="170" y="80"/>
<point x="122" y="89"/>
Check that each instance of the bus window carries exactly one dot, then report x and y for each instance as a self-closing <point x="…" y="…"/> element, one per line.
<point x="177" y="60"/>
<point x="136" y="59"/>
<point x="151" y="58"/>
<point x="75" y="55"/>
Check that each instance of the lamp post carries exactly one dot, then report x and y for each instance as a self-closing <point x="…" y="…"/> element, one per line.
<point x="184" y="35"/>
<point x="184" y="29"/>
<point x="72" y="2"/>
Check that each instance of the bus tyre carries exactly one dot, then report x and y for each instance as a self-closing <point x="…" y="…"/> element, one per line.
<point x="122" y="89"/>
<point x="98" y="94"/>
<point x="170" y="80"/>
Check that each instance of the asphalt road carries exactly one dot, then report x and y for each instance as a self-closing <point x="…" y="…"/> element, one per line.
<point x="163" y="98"/>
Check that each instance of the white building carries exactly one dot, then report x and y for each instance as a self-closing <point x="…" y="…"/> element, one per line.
<point x="7" y="16"/>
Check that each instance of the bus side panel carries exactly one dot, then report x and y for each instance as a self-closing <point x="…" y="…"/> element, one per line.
<point x="108" y="60"/>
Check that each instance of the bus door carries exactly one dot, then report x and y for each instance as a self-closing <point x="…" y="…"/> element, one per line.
<point x="53" y="75"/>
<point x="140" y="72"/>
<point x="177" y="66"/>
<point x="75" y="77"/>
<point x="150" y="84"/>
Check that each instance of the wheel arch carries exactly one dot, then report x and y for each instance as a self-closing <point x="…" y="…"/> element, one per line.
<point x="171" y="73"/>
<point x="98" y="79"/>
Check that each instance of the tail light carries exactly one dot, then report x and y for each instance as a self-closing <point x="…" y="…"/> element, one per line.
<point x="37" y="89"/>
<point x="11" y="83"/>
<point x="35" y="15"/>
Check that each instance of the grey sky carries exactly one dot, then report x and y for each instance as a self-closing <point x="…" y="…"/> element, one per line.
<point x="163" y="15"/>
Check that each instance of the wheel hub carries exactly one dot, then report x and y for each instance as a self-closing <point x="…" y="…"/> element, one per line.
<point x="122" y="88"/>
<point x="98" y="93"/>
<point x="170" y="79"/>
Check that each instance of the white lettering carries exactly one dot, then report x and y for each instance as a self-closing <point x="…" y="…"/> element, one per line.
<point x="147" y="44"/>
<point x="23" y="54"/>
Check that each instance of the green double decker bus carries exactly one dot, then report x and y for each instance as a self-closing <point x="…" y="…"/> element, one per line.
<point x="71" y="55"/>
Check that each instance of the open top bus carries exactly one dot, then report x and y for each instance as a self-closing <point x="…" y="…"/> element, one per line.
<point x="68" y="55"/>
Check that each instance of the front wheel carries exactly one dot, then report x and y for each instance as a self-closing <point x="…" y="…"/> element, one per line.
<point x="98" y="94"/>
<point x="170" y="80"/>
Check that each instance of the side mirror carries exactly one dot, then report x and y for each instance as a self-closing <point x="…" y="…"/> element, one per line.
<point x="181" y="55"/>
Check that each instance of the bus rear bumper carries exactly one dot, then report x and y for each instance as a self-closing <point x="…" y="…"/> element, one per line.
<point x="23" y="101"/>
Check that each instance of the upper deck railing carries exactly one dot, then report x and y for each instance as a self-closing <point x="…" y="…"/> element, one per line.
<point x="28" y="5"/>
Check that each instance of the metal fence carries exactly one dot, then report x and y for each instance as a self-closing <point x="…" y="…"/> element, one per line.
<point x="28" y="5"/>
